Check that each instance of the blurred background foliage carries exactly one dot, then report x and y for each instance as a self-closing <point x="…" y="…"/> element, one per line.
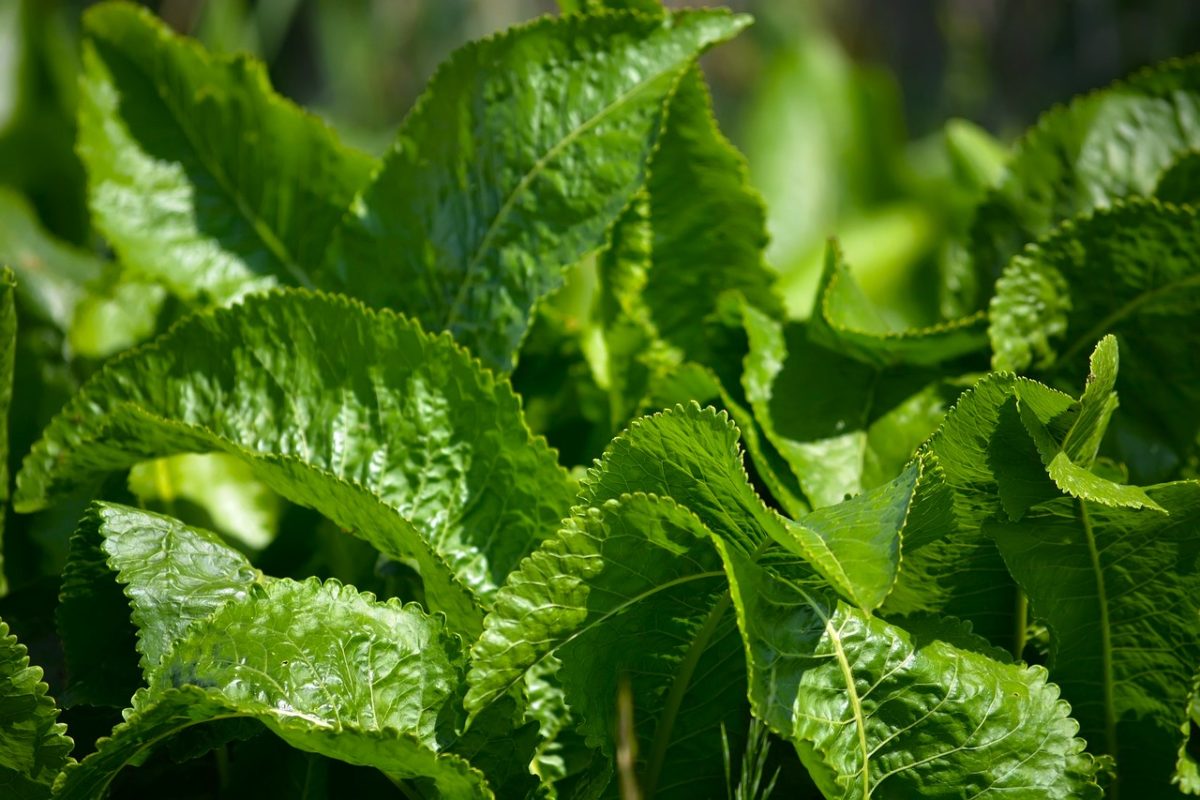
<point x="841" y="107"/>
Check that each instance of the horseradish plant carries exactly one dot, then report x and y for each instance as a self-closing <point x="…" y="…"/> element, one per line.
<point x="917" y="579"/>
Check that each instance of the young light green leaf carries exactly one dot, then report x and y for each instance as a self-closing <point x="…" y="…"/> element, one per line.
<point x="393" y="434"/>
<point x="1118" y="589"/>
<point x="216" y="488"/>
<point x="1102" y="147"/>
<point x="858" y="431"/>
<point x="198" y="173"/>
<point x="847" y="322"/>
<point x="34" y="746"/>
<point x="1128" y="271"/>
<point x="876" y="713"/>
<point x="327" y="669"/>
<point x="489" y="190"/>
<point x="86" y="298"/>
<point x="856" y="545"/>
<point x="51" y="273"/>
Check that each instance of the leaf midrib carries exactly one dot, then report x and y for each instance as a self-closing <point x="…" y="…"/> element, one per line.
<point x="1106" y="647"/>
<point x="272" y="243"/>
<point x="1120" y="313"/>
<point x="472" y="269"/>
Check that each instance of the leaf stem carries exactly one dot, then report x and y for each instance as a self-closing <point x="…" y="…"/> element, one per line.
<point x="1021" y="626"/>
<point x="1110" y="719"/>
<point x="662" y="734"/>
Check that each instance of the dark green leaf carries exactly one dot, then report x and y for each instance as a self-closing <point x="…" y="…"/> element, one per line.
<point x="34" y="747"/>
<point x="1130" y="271"/>
<point x="876" y="713"/>
<point x="1118" y="589"/>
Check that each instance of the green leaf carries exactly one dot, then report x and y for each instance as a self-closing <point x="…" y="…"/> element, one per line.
<point x="51" y="274"/>
<point x="1179" y="182"/>
<point x="841" y="425"/>
<point x="707" y="228"/>
<point x="200" y="175"/>
<point x="1118" y="589"/>
<point x="856" y="545"/>
<point x="490" y="190"/>
<point x="173" y="576"/>
<point x="1128" y="271"/>
<point x="327" y="669"/>
<point x="991" y="466"/>
<point x="645" y="599"/>
<point x="34" y="746"/>
<point x="876" y="713"/>
<point x="846" y="321"/>
<point x="691" y="456"/>
<point x="8" y="346"/>
<point x="395" y="435"/>
<point x="632" y="586"/>
<point x="1103" y="146"/>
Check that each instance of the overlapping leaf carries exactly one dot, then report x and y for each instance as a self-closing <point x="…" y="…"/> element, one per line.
<point x="872" y="711"/>
<point x="842" y="426"/>
<point x="845" y="320"/>
<point x="33" y="744"/>
<point x="395" y="435"/>
<point x="327" y="669"/>
<point x="1118" y="589"/>
<point x="1130" y="271"/>
<point x="1084" y="156"/>
<point x="876" y="712"/>
<point x="492" y="186"/>
<point x="198" y="173"/>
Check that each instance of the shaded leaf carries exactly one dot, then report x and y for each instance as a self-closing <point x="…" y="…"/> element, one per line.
<point x="1103" y="146"/>
<point x="34" y="746"/>
<point x="1118" y="589"/>
<point x="1128" y="271"/>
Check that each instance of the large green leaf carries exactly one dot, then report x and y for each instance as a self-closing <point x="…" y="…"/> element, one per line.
<point x="34" y="746"/>
<point x="876" y="712"/>
<point x="635" y="585"/>
<point x="393" y="434"/>
<point x="1102" y="147"/>
<point x="327" y="669"/>
<point x="1119" y="591"/>
<point x="631" y="585"/>
<point x="492" y="185"/>
<point x="1131" y="271"/>
<point x="841" y="425"/>
<point x="198" y="173"/>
